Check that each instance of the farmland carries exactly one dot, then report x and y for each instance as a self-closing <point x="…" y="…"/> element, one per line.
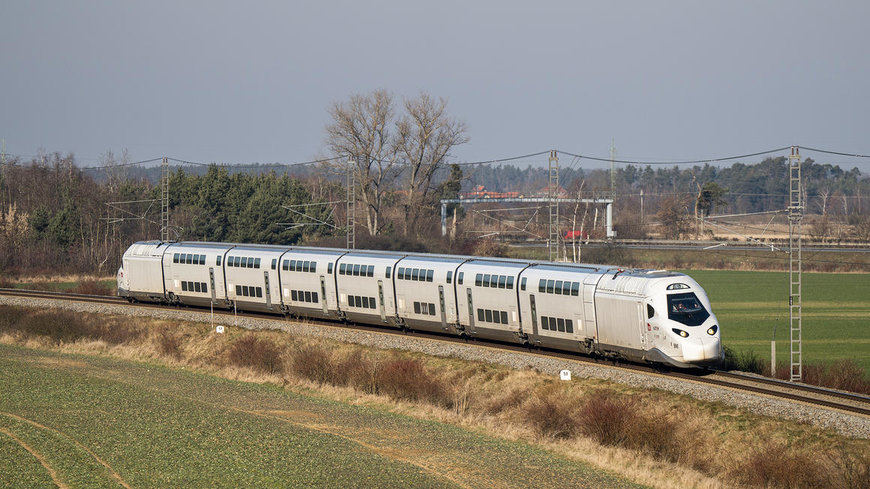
<point x="97" y="422"/>
<point x="750" y="305"/>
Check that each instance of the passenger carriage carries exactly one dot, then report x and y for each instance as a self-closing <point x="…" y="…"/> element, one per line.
<point x="425" y="295"/>
<point x="486" y="299"/>
<point x="308" y="282"/>
<point x="365" y="287"/>
<point x="558" y="307"/>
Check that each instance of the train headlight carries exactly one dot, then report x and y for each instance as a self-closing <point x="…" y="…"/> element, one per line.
<point x="712" y="330"/>
<point x="680" y="332"/>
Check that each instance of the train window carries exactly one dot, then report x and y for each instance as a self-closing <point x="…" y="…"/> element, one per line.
<point x="184" y="286"/>
<point x="329" y="268"/>
<point x="687" y="309"/>
<point x="218" y="261"/>
<point x="575" y="288"/>
<point x="650" y="312"/>
<point x="229" y="261"/>
<point x="341" y="269"/>
<point x="237" y="261"/>
<point x="416" y="307"/>
<point x="274" y="263"/>
<point x="461" y="276"/>
<point x="307" y="296"/>
<point x="293" y="295"/>
<point x="431" y="309"/>
<point x="558" y="288"/>
<point x="313" y="268"/>
<point x="202" y="259"/>
<point x="480" y="314"/>
<point x="285" y="265"/>
<point x="510" y="282"/>
<point x="400" y="273"/>
<point x="502" y="281"/>
<point x="544" y="323"/>
<point x="560" y="323"/>
<point x="314" y="297"/>
<point x="430" y="275"/>
<point x="550" y="285"/>
<point x="389" y="269"/>
<point x="415" y="274"/>
<point x="238" y="290"/>
<point x="175" y="258"/>
<point x="542" y="285"/>
<point x="365" y="302"/>
<point x="259" y="292"/>
<point x="292" y="265"/>
<point x="488" y="314"/>
<point x="569" y="326"/>
<point x="256" y="263"/>
<point x="204" y="288"/>
<point x="350" y="301"/>
<point x="566" y="288"/>
<point x="356" y="270"/>
<point x="197" y="286"/>
<point x="243" y="262"/>
<point x="372" y="302"/>
<point x="478" y="279"/>
<point x="251" y="262"/>
<point x="503" y="317"/>
<point x="552" y="324"/>
<point x="486" y="278"/>
<point x="523" y="284"/>
<point x="449" y="276"/>
<point x="306" y="265"/>
<point x="371" y="271"/>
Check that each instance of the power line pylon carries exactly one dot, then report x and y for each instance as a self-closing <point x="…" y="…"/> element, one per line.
<point x="795" y="214"/>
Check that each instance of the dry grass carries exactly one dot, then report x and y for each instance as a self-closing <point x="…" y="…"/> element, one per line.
<point x="656" y="438"/>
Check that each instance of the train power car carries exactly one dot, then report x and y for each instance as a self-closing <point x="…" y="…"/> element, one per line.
<point x="652" y="316"/>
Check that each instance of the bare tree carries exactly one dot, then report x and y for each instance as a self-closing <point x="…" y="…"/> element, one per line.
<point x="424" y="137"/>
<point x="360" y="129"/>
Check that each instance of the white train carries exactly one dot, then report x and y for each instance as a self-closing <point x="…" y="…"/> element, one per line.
<point x="642" y="315"/>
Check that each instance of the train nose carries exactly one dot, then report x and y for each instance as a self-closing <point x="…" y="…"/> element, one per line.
<point x="702" y="350"/>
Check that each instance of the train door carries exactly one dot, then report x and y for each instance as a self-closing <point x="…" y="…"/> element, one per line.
<point x="268" y="290"/>
<point x="589" y="285"/>
<point x="471" y="328"/>
<point x="211" y="283"/>
<point x="381" y="300"/>
<point x="323" y="295"/>
<point x="443" y="311"/>
<point x="641" y="321"/>
<point x="534" y="310"/>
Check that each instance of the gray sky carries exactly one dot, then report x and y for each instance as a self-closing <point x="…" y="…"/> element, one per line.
<point x="252" y="81"/>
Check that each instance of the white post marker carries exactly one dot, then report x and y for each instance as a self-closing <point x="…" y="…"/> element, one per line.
<point x="219" y="329"/>
<point x="565" y="375"/>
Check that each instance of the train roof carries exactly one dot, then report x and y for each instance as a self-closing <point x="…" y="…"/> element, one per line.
<point x="440" y="257"/>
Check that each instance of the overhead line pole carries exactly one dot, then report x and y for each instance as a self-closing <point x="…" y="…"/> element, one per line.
<point x="553" y="241"/>
<point x="795" y="215"/>
<point x="351" y="205"/>
<point x="164" y="200"/>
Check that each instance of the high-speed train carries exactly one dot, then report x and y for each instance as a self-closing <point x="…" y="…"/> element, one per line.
<point x="653" y="316"/>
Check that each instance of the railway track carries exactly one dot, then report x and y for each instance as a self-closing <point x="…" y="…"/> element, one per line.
<point x="801" y="393"/>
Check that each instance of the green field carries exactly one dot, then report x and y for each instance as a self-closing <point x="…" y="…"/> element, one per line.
<point x="836" y="313"/>
<point x="83" y="421"/>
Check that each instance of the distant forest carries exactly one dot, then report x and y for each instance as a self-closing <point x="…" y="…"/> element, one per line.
<point x="57" y="216"/>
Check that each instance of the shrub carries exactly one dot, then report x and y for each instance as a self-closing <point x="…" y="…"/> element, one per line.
<point x="169" y="343"/>
<point x="554" y="413"/>
<point x="776" y="466"/>
<point x="607" y="418"/>
<point x="407" y="379"/>
<point x="256" y="353"/>
<point x="92" y="287"/>
<point x="314" y="363"/>
<point x="848" y="376"/>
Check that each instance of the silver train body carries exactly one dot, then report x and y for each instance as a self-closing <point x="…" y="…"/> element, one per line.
<point x="641" y="315"/>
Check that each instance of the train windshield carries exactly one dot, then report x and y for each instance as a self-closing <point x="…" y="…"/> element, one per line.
<point x="686" y="309"/>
